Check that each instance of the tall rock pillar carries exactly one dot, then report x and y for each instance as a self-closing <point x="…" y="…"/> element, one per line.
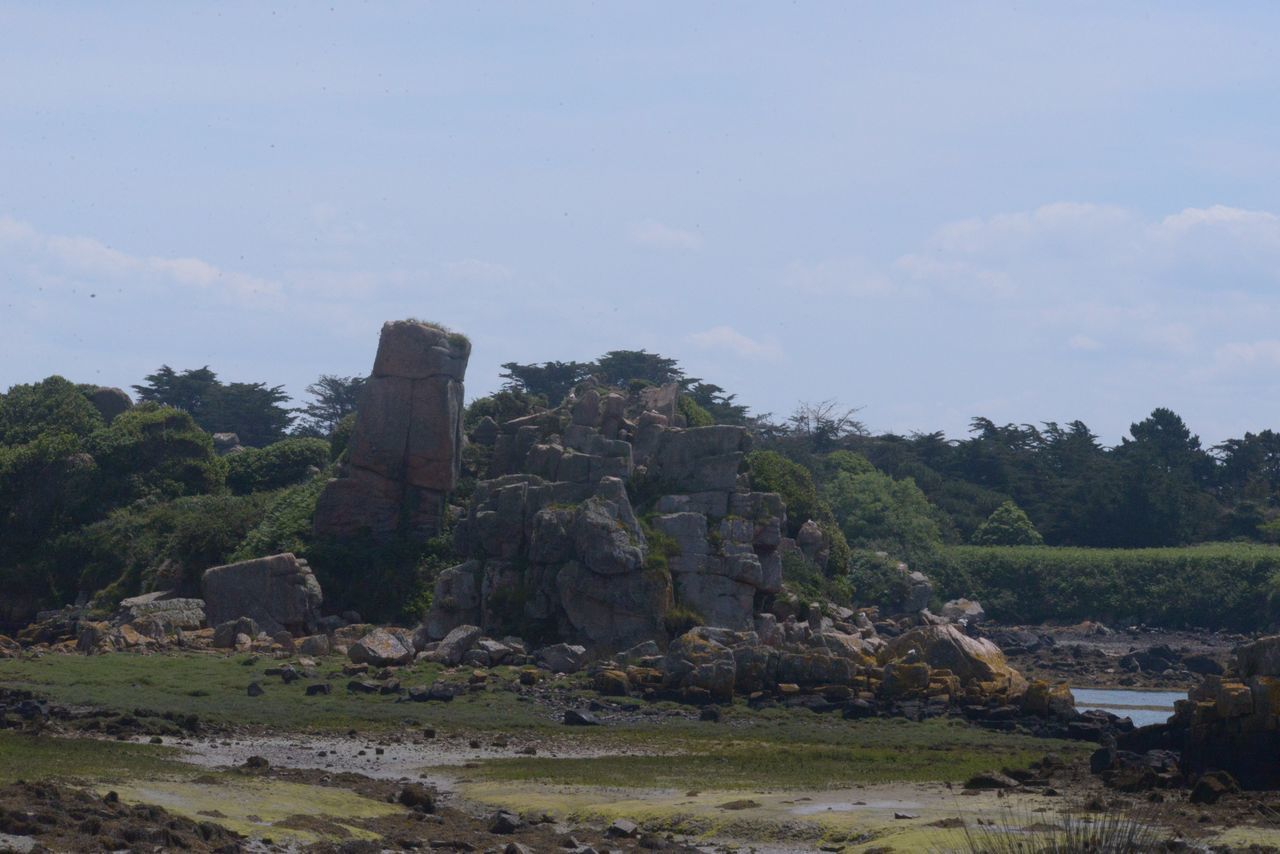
<point x="405" y="454"/>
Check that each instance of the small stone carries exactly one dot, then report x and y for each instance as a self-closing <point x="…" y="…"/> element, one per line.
<point x="318" y="689"/>
<point x="255" y="690"/>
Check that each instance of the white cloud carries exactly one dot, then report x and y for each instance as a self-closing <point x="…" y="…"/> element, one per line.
<point x="659" y="236"/>
<point x="730" y="340"/>
<point x="77" y="259"/>
<point x="1083" y="342"/>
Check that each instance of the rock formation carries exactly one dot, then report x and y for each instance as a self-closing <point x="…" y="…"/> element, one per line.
<point x="110" y="402"/>
<point x="553" y="539"/>
<point x="405" y="452"/>
<point x="279" y="593"/>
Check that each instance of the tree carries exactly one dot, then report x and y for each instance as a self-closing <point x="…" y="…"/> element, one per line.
<point x="621" y="367"/>
<point x="822" y="425"/>
<point x="253" y="411"/>
<point x="879" y="513"/>
<point x="551" y="381"/>
<point x="189" y="390"/>
<point x="335" y="397"/>
<point x="713" y="399"/>
<point x="1163" y="501"/>
<point x="1007" y="526"/>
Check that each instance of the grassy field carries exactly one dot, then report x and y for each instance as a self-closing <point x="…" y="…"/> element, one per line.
<point x="783" y="748"/>
<point x="803" y="752"/>
<point x="26" y="757"/>
<point x="215" y="688"/>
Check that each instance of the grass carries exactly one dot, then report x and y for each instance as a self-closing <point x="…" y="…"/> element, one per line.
<point x="214" y="687"/>
<point x="791" y="750"/>
<point x="1116" y="831"/>
<point x="28" y="757"/>
<point x="776" y="747"/>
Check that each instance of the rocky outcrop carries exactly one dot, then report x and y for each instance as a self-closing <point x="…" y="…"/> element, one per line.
<point x="1232" y="723"/>
<point x="581" y="568"/>
<point x="173" y="611"/>
<point x="110" y="402"/>
<point x="405" y="451"/>
<point x="976" y="663"/>
<point x="279" y="593"/>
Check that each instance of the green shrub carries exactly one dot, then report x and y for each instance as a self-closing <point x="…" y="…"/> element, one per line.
<point x="772" y="472"/>
<point x="385" y="581"/>
<point x="694" y="414"/>
<point x="878" y="513"/>
<point x="1216" y="586"/>
<point x="285" y="525"/>
<point x="1007" y="526"/>
<point x="155" y="451"/>
<point x="341" y="436"/>
<point x="53" y="405"/>
<point x="875" y="578"/>
<point x="680" y="619"/>
<point x="151" y="545"/>
<point x="277" y="465"/>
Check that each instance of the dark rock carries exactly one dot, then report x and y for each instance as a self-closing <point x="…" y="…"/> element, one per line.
<point x="1211" y="787"/>
<point x="621" y="829"/>
<point x="991" y="780"/>
<point x="318" y="689"/>
<point x="580" y="717"/>
<point x="504" y="822"/>
<point x="417" y="797"/>
<point x="255" y="690"/>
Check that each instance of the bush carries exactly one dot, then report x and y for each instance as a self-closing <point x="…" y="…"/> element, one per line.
<point x="151" y="545"/>
<point x="1007" y="526"/>
<point x="385" y="581"/>
<point x="694" y="414"/>
<point x="285" y="525"/>
<point x="53" y="405"/>
<point x="879" y="513"/>
<point x="341" y="436"/>
<point x="808" y="582"/>
<point x="277" y="465"/>
<point x="155" y="451"/>
<point x="1216" y="586"/>
<point x="680" y="619"/>
<point x="772" y="472"/>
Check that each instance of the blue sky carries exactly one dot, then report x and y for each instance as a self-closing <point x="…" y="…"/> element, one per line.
<point x="1027" y="212"/>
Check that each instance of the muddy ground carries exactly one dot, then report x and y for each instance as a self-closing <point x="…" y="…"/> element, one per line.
<point x="1097" y="656"/>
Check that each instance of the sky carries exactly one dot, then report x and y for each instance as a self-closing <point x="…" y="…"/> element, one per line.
<point x="1028" y="212"/>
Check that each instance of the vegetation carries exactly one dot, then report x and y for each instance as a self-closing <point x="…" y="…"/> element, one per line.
<point x="1007" y="526"/>
<point x="786" y="752"/>
<point x="253" y="411"/>
<point x="24" y="757"/>
<point x="280" y="464"/>
<point x="1212" y="586"/>
<point x="335" y="398"/>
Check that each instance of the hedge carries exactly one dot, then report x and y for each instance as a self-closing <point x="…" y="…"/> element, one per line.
<point x="1215" y="586"/>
